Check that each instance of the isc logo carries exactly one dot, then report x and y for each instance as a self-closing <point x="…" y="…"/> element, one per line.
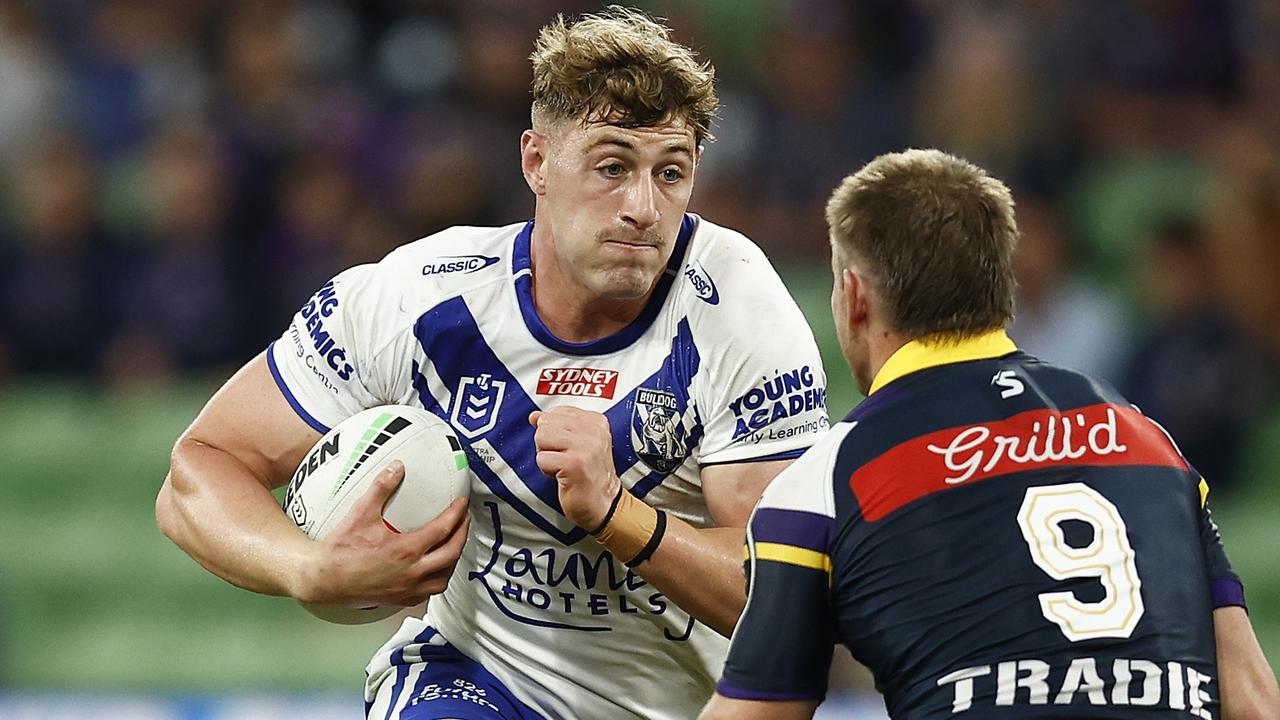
<point x="580" y="382"/>
<point x="703" y="285"/>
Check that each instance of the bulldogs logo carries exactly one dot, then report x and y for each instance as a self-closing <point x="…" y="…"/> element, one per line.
<point x="656" y="431"/>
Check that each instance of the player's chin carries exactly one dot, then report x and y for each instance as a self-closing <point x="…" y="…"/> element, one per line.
<point x="626" y="282"/>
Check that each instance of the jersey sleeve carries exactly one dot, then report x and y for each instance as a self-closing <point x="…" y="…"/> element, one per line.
<point x="324" y="363"/>
<point x="765" y="395"/>
<point x="781" y="648"/>
<point x="1224" y="584"/>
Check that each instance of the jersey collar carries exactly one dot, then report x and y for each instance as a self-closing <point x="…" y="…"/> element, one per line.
<point x="522" y="271"/>
<point x="920" y="355"/>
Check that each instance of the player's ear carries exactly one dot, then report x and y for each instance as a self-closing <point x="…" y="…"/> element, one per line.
<point x="857" y="291"/>
<point x="533" y="160"/>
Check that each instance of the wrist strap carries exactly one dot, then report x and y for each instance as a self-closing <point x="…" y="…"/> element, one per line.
<point x="631" y="529"/>
<point x="647" y="551"/>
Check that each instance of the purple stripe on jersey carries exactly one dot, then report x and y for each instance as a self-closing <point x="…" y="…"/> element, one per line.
<point x="796" y="528"/>
<point x="784" y="455"/>
<point x="730" y="691"/>
<point x="288" y="395"/>
<point x="1227" y="592"/>
<point x="875" y="401"/>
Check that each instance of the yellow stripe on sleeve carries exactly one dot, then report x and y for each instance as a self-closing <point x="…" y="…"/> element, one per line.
<point x="792" y="555"/>
<point x="1204" y="492"/>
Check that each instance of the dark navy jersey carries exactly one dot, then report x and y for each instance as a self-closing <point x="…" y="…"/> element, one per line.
<point x="994" y="537"/>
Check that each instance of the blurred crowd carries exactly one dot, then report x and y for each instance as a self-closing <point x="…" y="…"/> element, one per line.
<point x="177" y="176"/>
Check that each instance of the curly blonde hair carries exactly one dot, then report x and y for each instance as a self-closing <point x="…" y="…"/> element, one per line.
<point x="620" y="67"/>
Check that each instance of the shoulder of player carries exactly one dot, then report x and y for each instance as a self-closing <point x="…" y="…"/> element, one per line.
<point x="438" y="266"/>
<point x="454" y="258"/>
<point x="418" y="275"/>
<point x="726" y="276"/>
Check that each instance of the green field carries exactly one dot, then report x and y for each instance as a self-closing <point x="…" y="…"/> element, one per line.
<point x="92" y="596"/>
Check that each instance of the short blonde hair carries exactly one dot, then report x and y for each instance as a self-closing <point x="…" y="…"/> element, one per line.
<point x="621" y="67"/>
<point x="936" y="234"/>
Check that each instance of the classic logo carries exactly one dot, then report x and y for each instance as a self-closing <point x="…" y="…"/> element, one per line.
<point x="656" y="432"/>
<point x="579" y="382"/>
<point x="702" y="283"/>
<point x="476" y="403"/>
<point x="465" y="264"/>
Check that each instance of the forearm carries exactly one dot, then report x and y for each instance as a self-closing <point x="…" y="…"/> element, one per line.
<point x="219" y="513"/>
<point x="1247" y="683"/>
<point x="701" y="571"/>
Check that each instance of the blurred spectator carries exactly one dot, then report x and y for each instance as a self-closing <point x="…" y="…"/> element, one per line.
<point x="824" y="114"/>
<point x="57" y="286"/>
<point x="974" y="95"/>
<point x="181" y="305"/>
<point x="1196" y="372"/>
<point x="1061" y="315"/>
<point x="31" y="86"/>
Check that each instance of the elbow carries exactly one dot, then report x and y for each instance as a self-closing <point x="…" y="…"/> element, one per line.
<point x="168" y="513"/>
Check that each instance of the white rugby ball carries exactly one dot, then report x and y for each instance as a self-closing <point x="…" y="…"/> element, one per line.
<point x="340" y="468"/>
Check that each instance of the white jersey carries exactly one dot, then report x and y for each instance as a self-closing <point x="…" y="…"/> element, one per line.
<point x="720" y="367"/>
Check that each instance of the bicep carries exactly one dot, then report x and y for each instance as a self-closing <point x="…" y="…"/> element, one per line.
<point x="250" y="420"/>
<point x="732" y="490"/>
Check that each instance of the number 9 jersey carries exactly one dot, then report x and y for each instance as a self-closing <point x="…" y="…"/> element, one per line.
<point x="994" y="537"/>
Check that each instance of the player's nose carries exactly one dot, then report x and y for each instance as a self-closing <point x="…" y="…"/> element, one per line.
<point x="640" y="206"/>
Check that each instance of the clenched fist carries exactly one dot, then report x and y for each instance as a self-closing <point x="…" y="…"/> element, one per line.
<point x="575" y="447"/>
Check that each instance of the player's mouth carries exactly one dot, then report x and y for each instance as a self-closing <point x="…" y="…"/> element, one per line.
<point x="631" y="245"/>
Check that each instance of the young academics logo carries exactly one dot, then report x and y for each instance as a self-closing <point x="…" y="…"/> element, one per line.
<point x="579" y="382"/>
<point x="465" y="264"/>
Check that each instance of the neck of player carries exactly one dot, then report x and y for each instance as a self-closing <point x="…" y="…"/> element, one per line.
<point x="570" y="310"/>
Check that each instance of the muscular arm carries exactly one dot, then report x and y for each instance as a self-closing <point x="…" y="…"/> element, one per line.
<point x="1245" y="680"/>
<point x="701" y="569"/>
<point x="216" y="502"/>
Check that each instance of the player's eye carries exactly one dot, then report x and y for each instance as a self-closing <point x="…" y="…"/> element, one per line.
<point x="672" y="175"/>
<point x="613" y="170"/>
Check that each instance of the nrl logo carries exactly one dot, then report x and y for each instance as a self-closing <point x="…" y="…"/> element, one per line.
<point x="476" y="403"/>
<point x="656" y="432"/>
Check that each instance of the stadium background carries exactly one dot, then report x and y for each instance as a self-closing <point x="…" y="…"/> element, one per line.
<point x="177" y="176"/>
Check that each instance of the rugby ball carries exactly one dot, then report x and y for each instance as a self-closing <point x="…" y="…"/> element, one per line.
<point x="341" y="467"/>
